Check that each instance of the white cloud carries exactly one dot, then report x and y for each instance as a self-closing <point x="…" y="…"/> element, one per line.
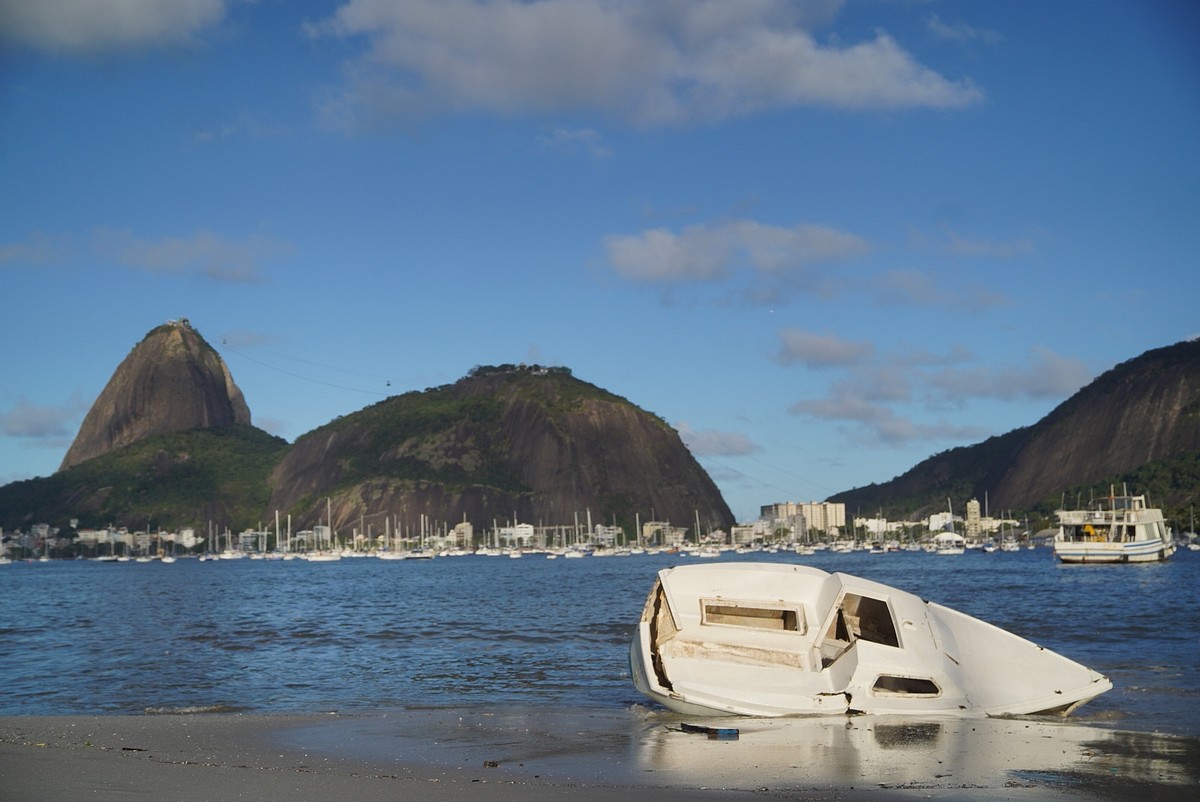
<point x="842" y="407"/>
<point x="958" y="245"/>
<point x="36" y="248"/>
<point x="867" y="400"/>
<point x="908" y="287"/>
<point x="874" y="423"/>
<point x="40" y="422"/>
<point x="820" y="350"/>
<point x="648" y="63"/>
<point x="275" y="426"/>
<point x="245" y="125"/>
<point x="905" y="287"/>
<point x="77" y="26"/>
<point x="960" y="31"/>
<point x="1046" y="375"/>
<point x="204" y="253"/>
<point x="908" y="357"/>
<point x="713" y="443"/>
<point x="661" y="255"/>
<point x="947" y="240"/>
<point x="710" y="252"/>
<point x="571" y="140"/>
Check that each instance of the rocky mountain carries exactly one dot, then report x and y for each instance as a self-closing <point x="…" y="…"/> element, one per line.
<point x="169" y="443"/>
<point x="509" y="443"/>
<point x="1138" y="422"/>
<point x="172" y="381"/>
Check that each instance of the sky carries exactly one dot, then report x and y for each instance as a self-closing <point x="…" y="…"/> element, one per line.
<point x="823" y="240"/>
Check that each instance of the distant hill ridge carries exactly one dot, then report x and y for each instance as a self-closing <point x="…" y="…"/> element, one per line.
<point x="1139" y="421"/>
<point x="169" y="442"/>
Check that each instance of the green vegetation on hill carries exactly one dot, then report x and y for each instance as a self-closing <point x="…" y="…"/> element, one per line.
<point x="445" y="453"/>
<point x="171" y="481"/>
<point x="449" y="435"/>
<point x="555" y="388"/>
<point x="521" y="442"/>
<point x="1173" y="485"/>
<point x="923" y="490"/>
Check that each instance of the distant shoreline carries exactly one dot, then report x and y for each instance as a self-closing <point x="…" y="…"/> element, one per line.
<point x="484" y="753"/>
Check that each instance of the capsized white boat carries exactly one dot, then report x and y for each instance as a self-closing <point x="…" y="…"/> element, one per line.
<point x="1119" y="529"/>
<point x="771" y="639"/>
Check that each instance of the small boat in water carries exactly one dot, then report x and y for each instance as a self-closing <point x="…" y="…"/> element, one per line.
<point x="1117" y="529"/>
<point x="949" y="544"/>
<point x="768" y="639"/>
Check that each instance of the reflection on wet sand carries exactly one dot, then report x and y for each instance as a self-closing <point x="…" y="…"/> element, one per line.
<point x="891" y="752"/>
<point x="649" y="747"/>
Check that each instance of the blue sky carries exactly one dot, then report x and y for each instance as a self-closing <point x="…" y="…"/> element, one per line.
<point x="824" y="240"/>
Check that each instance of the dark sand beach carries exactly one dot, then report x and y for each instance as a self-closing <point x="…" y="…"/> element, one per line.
<point x="530" y="753"/>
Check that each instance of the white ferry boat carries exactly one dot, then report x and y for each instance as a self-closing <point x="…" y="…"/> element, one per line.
<point x="1118" y="529"/>
<point x="770" y="639"/>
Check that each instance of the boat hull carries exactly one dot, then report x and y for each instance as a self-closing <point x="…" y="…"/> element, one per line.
<point x="1139" y="552"/>
<point x="1119" y="529"/>
<point x="779" y="640"/>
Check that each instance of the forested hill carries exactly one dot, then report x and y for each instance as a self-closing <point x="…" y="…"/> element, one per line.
<point x="525" y="441"/>
<point x="1136" y="424"/>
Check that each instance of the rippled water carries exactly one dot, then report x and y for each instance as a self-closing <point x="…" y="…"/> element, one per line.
<point x="365" y="634"/>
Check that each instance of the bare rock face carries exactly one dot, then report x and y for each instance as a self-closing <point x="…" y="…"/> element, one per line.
<point x="1143" y="410"/>
<point x="172" y="381"/>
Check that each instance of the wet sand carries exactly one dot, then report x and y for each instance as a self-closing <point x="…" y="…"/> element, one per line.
<point x="540" y="754"/>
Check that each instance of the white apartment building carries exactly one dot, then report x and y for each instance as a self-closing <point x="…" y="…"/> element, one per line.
<point x="802" y="516"/>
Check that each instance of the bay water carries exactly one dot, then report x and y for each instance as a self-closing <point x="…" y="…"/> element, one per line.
<point x="366" y="635"/>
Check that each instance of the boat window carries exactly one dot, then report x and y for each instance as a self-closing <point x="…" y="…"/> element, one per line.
<point x="867" y="618"/>
<point x="754" y="616"/>
<point x="905" y="686"/>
